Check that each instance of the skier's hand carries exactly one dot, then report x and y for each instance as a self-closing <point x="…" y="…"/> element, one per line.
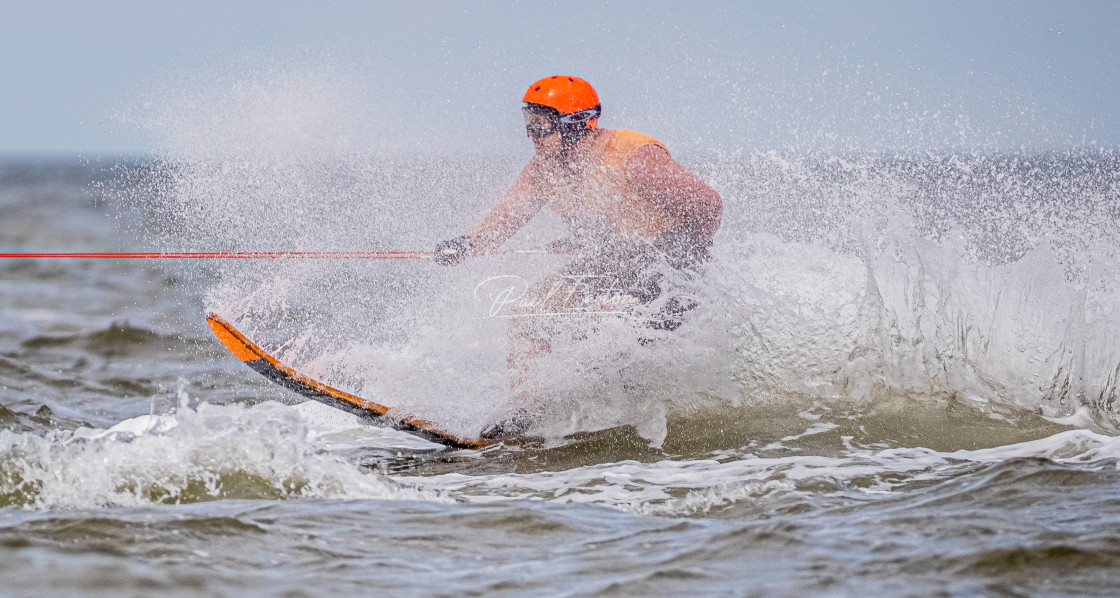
<point x="453" y="251"/>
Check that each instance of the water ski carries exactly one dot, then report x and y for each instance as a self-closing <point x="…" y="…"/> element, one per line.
<point x="269" y="367"/>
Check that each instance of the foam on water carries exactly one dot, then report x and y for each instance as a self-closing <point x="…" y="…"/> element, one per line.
<point x="703" y="486"/>
<point x="194" y="454"/>
<point x="272" y="451"/>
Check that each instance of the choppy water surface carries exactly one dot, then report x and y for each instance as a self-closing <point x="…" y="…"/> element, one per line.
<point x="902" y="380"/>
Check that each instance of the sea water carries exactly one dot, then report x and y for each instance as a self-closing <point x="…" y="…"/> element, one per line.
<point x="901" y="379"/>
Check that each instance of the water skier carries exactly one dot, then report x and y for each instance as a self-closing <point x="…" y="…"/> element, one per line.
<point x="628" y="205"/>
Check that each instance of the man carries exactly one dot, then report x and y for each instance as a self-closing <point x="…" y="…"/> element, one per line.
<point x="628" y="205"/>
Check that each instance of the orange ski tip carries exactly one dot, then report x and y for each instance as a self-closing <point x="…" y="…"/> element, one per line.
<point x="257" y="358"/>
<point x="225" y="335"/>
<point x="246" y="350"/>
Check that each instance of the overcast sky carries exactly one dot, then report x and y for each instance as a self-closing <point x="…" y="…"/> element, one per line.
<point x="141" y="76"/>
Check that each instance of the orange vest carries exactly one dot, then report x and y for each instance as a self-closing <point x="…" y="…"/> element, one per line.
<point x="602" y="202"/>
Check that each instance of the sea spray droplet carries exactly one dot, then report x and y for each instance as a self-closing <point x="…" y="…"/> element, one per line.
<point x="987" y="277"/>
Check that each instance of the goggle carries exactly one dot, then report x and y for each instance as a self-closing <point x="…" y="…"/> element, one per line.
<point x="538" y="125"/>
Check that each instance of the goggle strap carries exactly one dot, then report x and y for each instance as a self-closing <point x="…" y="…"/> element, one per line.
<point x="582" y="116"/>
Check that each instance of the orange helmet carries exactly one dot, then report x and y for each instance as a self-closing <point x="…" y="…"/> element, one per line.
<point x="573" y="99"/>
